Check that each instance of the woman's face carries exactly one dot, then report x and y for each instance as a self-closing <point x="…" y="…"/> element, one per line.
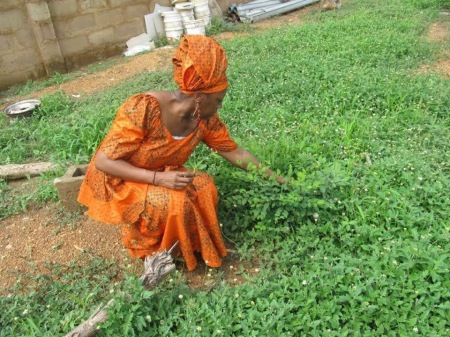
<point x="210" y="103"/>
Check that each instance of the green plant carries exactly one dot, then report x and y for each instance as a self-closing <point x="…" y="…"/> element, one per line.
<point x="219" y="25"/>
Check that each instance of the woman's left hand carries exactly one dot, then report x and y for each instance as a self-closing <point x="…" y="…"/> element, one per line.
<point x="174" y="179"/>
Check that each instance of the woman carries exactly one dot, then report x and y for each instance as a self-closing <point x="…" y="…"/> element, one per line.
<point x="137" y="179"/>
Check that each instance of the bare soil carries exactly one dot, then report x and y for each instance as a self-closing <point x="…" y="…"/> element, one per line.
<point x="51" y="234"/>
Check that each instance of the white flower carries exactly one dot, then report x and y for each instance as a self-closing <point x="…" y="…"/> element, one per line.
<point x="180" y="297"/>
<point x="256" y="270"/>
<point x="148" y="318"/>
<point x="219" y="332"/>
<point x="25" y="312"/>
<point x="304" y="282"/>
<point x="415" y="329"/>
<point x="236" y="295"/>
<point x="199" y="328"/>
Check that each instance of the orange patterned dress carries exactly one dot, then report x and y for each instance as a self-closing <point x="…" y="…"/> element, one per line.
<point x="153" y="218"/>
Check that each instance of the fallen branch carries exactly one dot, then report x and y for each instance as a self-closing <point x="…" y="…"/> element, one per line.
<point x="156" y="268"/>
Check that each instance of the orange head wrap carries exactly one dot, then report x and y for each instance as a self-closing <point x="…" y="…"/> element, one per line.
<point x="200" y="65"/>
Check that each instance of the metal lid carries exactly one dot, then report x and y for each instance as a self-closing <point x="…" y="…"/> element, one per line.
<point x="22" y="107"/>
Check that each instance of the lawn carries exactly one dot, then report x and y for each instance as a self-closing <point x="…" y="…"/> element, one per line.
<point x="356" y="244"/>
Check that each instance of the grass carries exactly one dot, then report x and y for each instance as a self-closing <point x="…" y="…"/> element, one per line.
<point x="357" y="244"/>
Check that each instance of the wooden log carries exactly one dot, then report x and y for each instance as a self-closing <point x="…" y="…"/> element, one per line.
<point x="18" y="171"/>
<point x="156" y="268"/>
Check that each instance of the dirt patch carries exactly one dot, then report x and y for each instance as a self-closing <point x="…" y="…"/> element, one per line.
<point x="30" y="240"/>
<point x="439" y="32"/>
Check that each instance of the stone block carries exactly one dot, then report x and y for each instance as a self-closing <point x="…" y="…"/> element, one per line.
<point x="68" y="187"/>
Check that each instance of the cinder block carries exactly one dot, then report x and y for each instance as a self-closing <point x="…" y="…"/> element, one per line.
<point x="38" y="11"/>
<point x="81" y="23"/>
<point x="63" y="8"/>
<point x="46" y="31"/>
<point x="127" y="30"/>
<point x="68" y="187"/>
<point x="120" y="3"/>
<point x="6" y="43"/>
<point x="8" y="4"/>
<point x="12" y="19"/>
<point x="136" y="11"/>
<point x="23" y="37"/>
<point x="74" y="45"/>
<point x="93" y="5"/>
<point x="102" y="37"/>
<point x="21" y="59"/>
<point x="109" y="18"/>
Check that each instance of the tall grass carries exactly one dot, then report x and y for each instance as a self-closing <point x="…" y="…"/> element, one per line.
<point x="356" y="244"/>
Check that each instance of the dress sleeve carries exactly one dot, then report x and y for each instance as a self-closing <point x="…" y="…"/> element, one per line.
<point x="130" y="126"/>
<point x="217" y="137"/>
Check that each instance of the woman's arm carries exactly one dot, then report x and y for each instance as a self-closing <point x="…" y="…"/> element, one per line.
<point x="124" y="170"/>
<point x="242" y="158"/>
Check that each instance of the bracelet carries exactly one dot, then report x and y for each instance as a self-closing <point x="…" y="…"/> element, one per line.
<point x="154" y="176"/>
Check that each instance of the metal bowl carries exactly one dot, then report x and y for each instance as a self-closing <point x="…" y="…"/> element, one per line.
<point x="22" y="108"/>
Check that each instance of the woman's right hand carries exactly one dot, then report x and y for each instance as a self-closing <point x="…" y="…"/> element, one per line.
<point x="174" y="179"/>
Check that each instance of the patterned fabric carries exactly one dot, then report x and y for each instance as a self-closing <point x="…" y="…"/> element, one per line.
<point x="153" y="218"/>
<point x="200" y="65"/>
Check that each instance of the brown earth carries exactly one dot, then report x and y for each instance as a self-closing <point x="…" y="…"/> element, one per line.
<point x="51" y="234"/>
